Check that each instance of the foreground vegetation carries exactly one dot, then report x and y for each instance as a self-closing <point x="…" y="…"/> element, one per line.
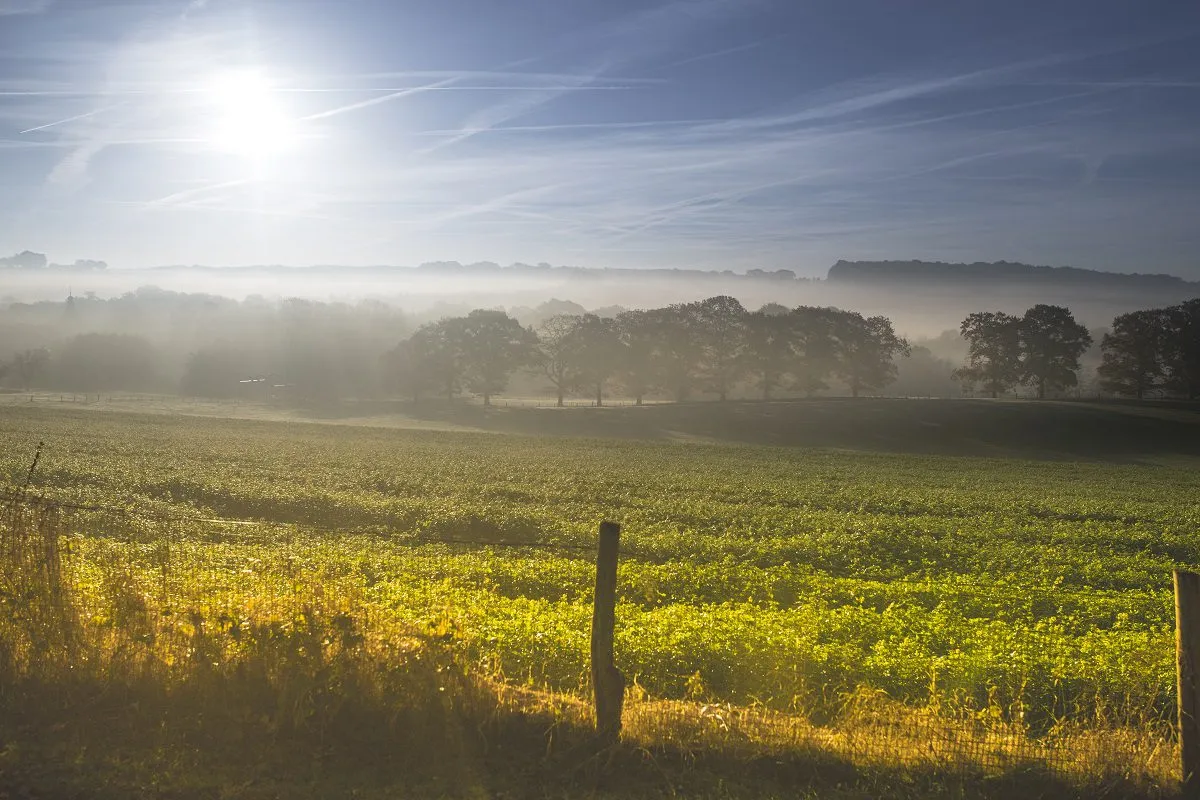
<point x="886" y="611"/>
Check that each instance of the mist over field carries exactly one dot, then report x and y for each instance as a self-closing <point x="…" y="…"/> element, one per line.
<point x="921" y="306"/>
<point x="328" y="334"/>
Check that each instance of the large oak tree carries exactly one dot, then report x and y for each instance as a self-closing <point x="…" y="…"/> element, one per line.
<point x="866" y="347"/>
<point x="1051" y="344"/>
<point x="993" y="351"/>
<point x="1133" y="353"/>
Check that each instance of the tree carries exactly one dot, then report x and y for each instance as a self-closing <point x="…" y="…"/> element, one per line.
<point x="866" y="348"/>
<point x="678" y="348"/>
<point x="536" y="317"/>
<point x="216" y="370"/>
<point x="310" y="365"/>
<point x="26" y="259"/>
<point x="595" y="344"/>
<point x="29" y="364"/>
<point x="770" y="348"/>
<point x="1181" y="354"/>
<point x="720" y="322"/>
<point x="1051" y="344"/>
<point x="638" y="333"/>
<point x="412" y="367"/>
<point x="492" y="345"/>
<point x="993" y="351"/>
<point x="435" y="355"/>
<point x="101" y="362"/>
<point x="774" y="309"/>
<point x="558" y="352"/>
<point x="1133" y="353"/>
<point x="325" y="352"/>
<point x="816" y="347"/>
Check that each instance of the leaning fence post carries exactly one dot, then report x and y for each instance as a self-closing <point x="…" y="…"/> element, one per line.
<point x="607" y="681"/>
<point x="1187" y="659"/>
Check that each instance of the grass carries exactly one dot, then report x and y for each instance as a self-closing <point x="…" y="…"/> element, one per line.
<point x="1089" y="430"/>
<point x="795" y="620"/>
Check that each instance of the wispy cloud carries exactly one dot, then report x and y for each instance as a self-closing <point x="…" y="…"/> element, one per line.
<point x="517" y="157"/>
<point x="571" y="126"/>
<point x="514" y="107"/>
<point x="151" y="92"/>
<point x="71" y="171"/>
<point x="625" y="41"/>
<point x="651" y="31"/>
<point x="518" y="78"/>
<point x="495" y="204"/>
<point x="14" y="7"/>
<point x="193" y="7"/>
<point x="17" y="144"/>
<point x="721" y="53"/>
<point x="199" y="191"/>
<point x="863" y="96"/>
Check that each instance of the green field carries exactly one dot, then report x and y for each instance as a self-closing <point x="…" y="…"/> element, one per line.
<point x="1031" y="592"/>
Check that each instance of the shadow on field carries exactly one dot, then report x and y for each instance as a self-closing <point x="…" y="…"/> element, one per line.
<point x="134" y="745"/>
<point x="1112" y="431"/>
<point x="1008" y="429"/>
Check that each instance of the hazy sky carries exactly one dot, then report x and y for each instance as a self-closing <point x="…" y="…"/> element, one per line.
<point x="694" y="133"/>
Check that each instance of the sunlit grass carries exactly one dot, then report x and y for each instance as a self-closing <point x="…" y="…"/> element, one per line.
<point x="886" y="612"/>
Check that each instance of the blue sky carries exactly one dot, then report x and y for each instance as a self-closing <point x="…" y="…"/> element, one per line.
<point x="723" y="134"/>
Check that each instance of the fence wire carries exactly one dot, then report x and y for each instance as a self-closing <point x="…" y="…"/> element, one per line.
<point x="189" y="584"/>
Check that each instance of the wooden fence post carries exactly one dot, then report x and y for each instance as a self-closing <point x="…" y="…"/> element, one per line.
<point x="1187" y="655"/>
<point x="607" y="681"/>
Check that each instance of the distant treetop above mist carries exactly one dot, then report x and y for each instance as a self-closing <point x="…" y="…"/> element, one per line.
<point x="543" y="267"/>
<point x="1007" y="272"/>
<point x="27" y="259"/>
<point x="892" y="274"/>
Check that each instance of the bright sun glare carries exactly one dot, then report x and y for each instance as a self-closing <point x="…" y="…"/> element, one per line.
<point x="246" y="117"/>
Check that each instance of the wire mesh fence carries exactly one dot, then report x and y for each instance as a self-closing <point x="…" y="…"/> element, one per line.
<point x="188" y="591"/>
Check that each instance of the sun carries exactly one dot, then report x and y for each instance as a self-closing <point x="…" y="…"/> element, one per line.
<point x="246" y="117"/>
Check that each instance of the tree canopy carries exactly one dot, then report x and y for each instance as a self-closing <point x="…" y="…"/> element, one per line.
<point x="1051" y="343"/>
<point x="1042" y="348"/>
<point x="1133" y="354"/>
<point x="866" y="348"/>
<point x="994" y="351"/>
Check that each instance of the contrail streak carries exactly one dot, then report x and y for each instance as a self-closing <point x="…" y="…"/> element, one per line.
<point x="188" y="194"/>
<point x="376" y="100"/>
<point x="728" y="51"/>
<point x="84" y="115"/>
<point x="566" y="126"/>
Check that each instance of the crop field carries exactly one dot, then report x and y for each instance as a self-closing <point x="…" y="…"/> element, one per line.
<point x="1034" y="594"/>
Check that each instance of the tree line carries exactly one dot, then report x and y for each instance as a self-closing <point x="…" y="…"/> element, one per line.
<point x="710" y="345"/>
<point x="1042" y="349"/>
<point x="303" y="351"/>
<point x="1145" y="350"/>
<point x="199" y="345"/>
<point x="1155" y="349"/>
<point x="205" y="346"/>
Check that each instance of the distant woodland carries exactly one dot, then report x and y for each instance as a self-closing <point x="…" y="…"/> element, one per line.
<point x="922" y="299"/>
<point x="305" y="351"/>
<point x="913" y="272"/>
<point x="996" y="273"/>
